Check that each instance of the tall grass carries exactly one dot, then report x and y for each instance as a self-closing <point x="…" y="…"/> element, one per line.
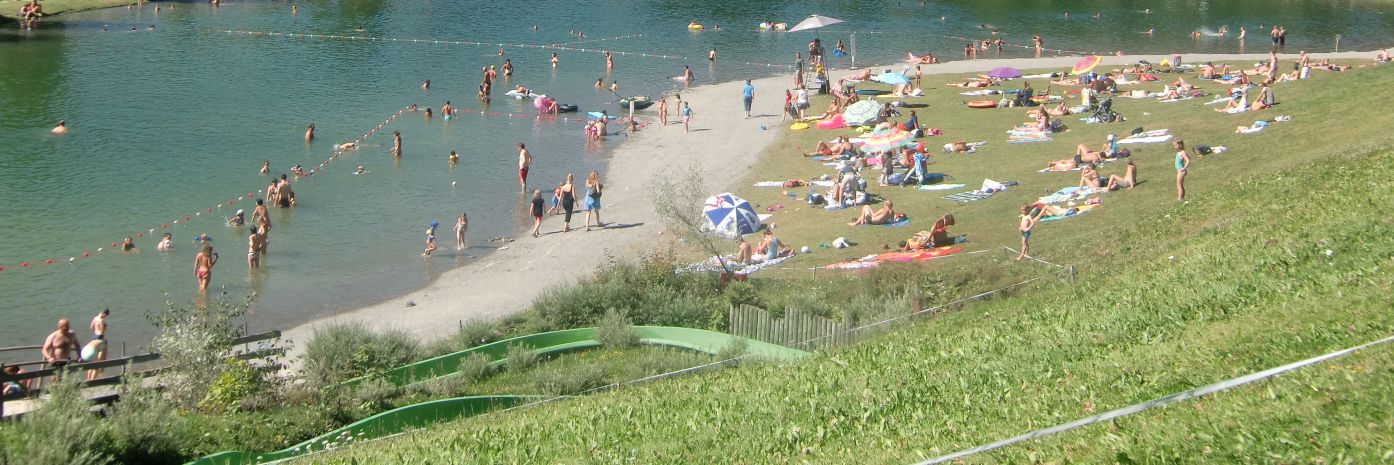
<point x="341" y="351"/>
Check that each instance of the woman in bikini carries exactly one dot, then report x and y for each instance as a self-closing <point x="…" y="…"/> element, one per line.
<point x="883" y="215"/>
<point x="203" y="266"/>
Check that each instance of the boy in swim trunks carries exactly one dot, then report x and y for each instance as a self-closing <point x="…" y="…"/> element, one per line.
<point x="1028" y="222"/>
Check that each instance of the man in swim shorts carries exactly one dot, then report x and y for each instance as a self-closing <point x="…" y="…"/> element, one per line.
<point x="60" y="345"/>
<point x="524" y="162"/>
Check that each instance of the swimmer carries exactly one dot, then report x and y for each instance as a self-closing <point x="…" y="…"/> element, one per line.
<point x="614" y="86"/>
<point x="454" y="158"/>
<point x="166" y="244"/>
<point x="500" y="51"/>
<point x="426" y="85"/>
<point x="397" y="140"/>
<point x="462" y="224"/>
<point x="554" y="60"/>
<point x="447" y="109"/>
<point x="687" y="74"/>
<point x="128" y="245"/>
<point x="60" y="129"/>
<point x="609" y="61"/>
<point x="265" y="166"/>
<point x="254" y="239"/>
<point x="293" y="9"/>
<point x="428" y="112"/>
<point x="599" y="83"/>
<point x="341" y="148"/>
<point x="711" y="55"/>
<point x="237" y="219"/>
<point x="507" y="68"/>
<point x="310" y="132"/>
<point x="360" y="170"/>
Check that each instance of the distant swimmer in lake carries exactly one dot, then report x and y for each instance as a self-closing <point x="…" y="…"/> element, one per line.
<point x="360" y="170"/>
<point x="310" y="133"/>
<point x="426" y="85"/>
<point x="266" y="166"/>
<point x="687" y="74"/>
<point x="341" y="148"/>
<point x="60" y="129"/>
<point x="599" y="83"/>
<point x="397" y="140"/>
<point x="237" y="219"/>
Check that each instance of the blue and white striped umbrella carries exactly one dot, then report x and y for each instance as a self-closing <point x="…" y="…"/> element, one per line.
<point x="731" y="216"/>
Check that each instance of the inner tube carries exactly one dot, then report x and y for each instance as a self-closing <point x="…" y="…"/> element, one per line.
<point x="566" y="108"/>
<point x="982" y="104"/>
<point x="695" y="27"/>
<point x="638" y="104"/>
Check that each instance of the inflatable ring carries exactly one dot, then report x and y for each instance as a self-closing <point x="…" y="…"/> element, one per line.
<point x="798" y="126"/>
<point x="695" y="27"/>
<point x="982" y="104"/>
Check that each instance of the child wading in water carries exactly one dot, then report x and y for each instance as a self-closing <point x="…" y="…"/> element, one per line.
<point x="430" y="239"/>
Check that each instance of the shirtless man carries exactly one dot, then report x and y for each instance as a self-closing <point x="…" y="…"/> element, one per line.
<point x="447" y="109"/>
<point x="287" y="195"/>
<point x="310" y="133"/>
<point x="266" y="167"/>
<point x="397" y="141"/>
<point x="259" y="213"/>
<point x="60" y="346"/>
<point x="1128" y="180"/>
<point x="98" y="325"/>
<point x="524" y="162"/>
<point x="60" y="129"/>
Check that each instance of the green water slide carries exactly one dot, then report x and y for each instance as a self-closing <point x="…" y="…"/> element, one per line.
<point x="557" y="342"/>
<point x="377" y="426"/>
<point x="427" y="413"/>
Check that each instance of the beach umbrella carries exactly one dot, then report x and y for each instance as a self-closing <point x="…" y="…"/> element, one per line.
<point x="814" y="22"/>
<point x="885" y="139"/>
<point x="894" y="79"/>
<point x="1086" y="64"/>
<point x="731" y="216"/>
<point x="862" y="112"/>
<point x="1005" y="72"/>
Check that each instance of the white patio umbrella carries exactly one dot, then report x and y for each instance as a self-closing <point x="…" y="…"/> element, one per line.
<point x="814" y="22"/>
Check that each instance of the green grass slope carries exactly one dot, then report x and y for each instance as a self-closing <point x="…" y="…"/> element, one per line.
<point x="1170" y="296"/>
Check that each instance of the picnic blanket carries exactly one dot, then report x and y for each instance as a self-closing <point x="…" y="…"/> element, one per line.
<point x="940" y="187"/>
<point x="1069" y="193"/>
<point x="712" y="265"/>
<point x="870" y="261"/>
<point x="1073" y="212"/>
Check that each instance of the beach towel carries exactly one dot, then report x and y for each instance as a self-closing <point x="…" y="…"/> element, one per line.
<point x="1069" y="193"/>
<point x="1178" y="99"/>
<point x="769" y="184"/>
<point x="968" y="196"/>
<point x="870" y="261"/>
<point x="1039" y="76"/>
<point x="822" y="183"/>
<point x="979" y="92"/>
<point x="712" y="265"/>
<point x="1073" y="212"/>
<point x="1145" y="140"/>
<point x="940" y="187"/>
<point x="1027" y="140"/>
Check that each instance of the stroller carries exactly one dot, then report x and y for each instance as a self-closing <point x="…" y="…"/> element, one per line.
<point x="1105" y="114"/>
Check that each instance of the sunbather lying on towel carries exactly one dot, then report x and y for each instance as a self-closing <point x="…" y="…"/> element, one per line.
<point x="884" y="215"/>
<point x="862" y="76"/>
<point x="1066" y="82"/>
<point x="973" y="83"/>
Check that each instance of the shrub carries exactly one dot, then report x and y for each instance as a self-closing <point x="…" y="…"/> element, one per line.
<point x="238" y="382"/>
<point x="63" y="432"/>
<point x="520" y="357"/>
<point x="615" y="330"/>
<point x="144" y="427"/>
<point x="571" y="380"/>
<point x="372" y="395"/>
<point x="742" y="293"/>
<point x="472" y="333"/>
<point x="194" y="341"/>
<point x="736" y="348"/>
<point x="346" y="350"/>
<point x="474" y="367"/>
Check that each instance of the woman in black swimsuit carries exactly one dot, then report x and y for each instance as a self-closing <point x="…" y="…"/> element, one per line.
<point x="568" y="201"/>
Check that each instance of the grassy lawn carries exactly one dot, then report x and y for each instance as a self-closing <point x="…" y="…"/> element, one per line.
<point x="1283" y="252"/>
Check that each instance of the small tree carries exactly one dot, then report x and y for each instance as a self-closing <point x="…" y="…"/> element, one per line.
<point x="678" y="196"/>
<point x="196" y="341"/>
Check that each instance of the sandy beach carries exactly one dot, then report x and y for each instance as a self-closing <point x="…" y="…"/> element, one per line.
<point x="723" y="142"/>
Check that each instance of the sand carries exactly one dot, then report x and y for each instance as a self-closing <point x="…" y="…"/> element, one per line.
<point x="723" y="145"/>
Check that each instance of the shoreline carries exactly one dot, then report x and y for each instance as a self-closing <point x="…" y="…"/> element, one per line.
<point x="506" y="281"/>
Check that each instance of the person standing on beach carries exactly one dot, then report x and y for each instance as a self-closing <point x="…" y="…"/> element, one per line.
<point x="536" y="212"/>
<point x="686" y="114"/>
<point x="1183" y="162"/>
<point x="203" y="266"/>
<point x="397" y="142"/>
<point x="663" y="111"/>
<point x="593" y="191"/>
<point x="524" y="162"/>
<point x="788" y="106"/>
<point x="798" y="70"/>
<point x="310" y="133"/>
<point x="568" y="201"/>
<point x="748" y="95"/>
<point x="462" y="224"/>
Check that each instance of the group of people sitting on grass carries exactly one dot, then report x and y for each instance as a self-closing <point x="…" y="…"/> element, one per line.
<point x="769" y="248"/>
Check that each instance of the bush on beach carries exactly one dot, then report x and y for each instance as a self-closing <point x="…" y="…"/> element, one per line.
<point x="341" y="351"/>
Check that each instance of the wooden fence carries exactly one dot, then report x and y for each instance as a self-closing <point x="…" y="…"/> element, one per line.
<point x="795" y="329"/>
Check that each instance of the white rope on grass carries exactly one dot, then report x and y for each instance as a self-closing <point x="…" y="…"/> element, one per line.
<point x="1154" y="403"/>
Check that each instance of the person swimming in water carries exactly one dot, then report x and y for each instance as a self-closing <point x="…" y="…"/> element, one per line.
<point x="166" y="243"/>
<point x="454" y="158"/>
<point x="60" y="129"/>
<point x="310" y="133"/>
<point x="360" y="170"/>
<point x="237" y="219"/>
<point x="266" y="167"/>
